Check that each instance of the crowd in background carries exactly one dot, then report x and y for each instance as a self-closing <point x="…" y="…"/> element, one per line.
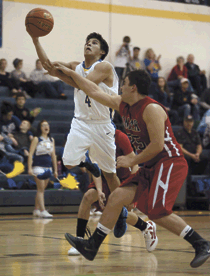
<point x="184" y="94"/>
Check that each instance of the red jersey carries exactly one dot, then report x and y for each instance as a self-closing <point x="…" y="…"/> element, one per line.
<point x="136" y="129"/>
<point x="123" y="147"/>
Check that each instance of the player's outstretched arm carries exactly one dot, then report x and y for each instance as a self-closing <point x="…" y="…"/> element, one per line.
<point x="91" y="89"/>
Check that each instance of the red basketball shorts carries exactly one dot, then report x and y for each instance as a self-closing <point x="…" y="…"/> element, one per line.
<point x="158" y="186"/>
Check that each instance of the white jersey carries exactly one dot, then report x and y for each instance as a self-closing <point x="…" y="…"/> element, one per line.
<point x="88" y="109"/>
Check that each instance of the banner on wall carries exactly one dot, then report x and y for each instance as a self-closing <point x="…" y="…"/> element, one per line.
<point x="0" y="23"/>
<point x="195" y="2"/>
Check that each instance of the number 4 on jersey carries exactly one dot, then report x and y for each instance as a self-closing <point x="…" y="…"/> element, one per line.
<point x="87" y="101"/>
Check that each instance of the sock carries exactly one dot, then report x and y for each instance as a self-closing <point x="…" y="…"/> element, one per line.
<point x="190" y="235"/>
<point x="141" y="225"/>
<point x="100" y="234"/>
<point x="81" y="226"/>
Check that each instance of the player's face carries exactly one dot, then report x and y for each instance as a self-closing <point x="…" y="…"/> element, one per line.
<point x="126" y="90"/>
<point x="45" y="128"/>
<point x="93" y="48"/>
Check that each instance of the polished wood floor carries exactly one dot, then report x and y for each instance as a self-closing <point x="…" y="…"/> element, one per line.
<point x="38" y="247"/>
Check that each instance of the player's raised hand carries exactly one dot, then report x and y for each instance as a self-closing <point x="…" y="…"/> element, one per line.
<point x="51" y="68"/>
<point x="101" y="199"/>
<point x="124" y="162"/>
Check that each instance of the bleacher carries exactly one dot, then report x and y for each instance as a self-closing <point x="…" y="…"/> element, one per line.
<point x="59" y="114"/>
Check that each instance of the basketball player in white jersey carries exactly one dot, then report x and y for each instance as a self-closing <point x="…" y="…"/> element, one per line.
<point x="91" y="127"/>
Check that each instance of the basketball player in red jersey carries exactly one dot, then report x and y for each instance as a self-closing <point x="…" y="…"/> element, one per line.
<point x="98" y="192"/>
<point x="156" y="185"/>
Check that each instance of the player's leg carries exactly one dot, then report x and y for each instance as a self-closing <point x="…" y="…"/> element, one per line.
<point x="88" y="199"/>
<point x="162" y="197"/>
<point x="118" y="198"/>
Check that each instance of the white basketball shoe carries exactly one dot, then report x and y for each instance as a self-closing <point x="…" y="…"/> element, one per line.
<point x="151" y="239"/>
<point x="36" y="213"/>
<point x="45" y="214"/>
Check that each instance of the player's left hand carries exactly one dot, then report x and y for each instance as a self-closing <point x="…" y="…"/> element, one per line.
<point x="124" y="161"/>
<point x="101" y="199"/>
<point x="52" y="70"/>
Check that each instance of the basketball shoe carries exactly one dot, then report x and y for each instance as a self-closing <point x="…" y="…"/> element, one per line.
<point x="202" y="252"/>
<point x="73" y="252"/>
<point x="91" y="167"/>
<point x="151" y="239"/>
<point x="36" y="213"/>
<point x="45" y="214"/>
<point x="86" y="247"/>
<point x="121" y="225"/>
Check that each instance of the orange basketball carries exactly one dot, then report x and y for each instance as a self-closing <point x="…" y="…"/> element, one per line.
<point x="39" y="22"/>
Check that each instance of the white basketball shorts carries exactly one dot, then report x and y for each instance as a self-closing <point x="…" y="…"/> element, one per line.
<point x="98" y="138"/>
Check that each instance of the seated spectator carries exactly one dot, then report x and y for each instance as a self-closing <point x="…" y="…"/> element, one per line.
<point x="6" y="80"/>
<point x="8" y="122"/>
<point x="134" y="62"/>
<point x="206" y="137"/>
<point x="195" y="75"/>
<point x="28" y="86"/>
<point x="205" y="101"/>
<point x="185" y="102"/>
<point x="48" y="86"/>
<point x="162" y="95"/>
<point x="179" y="71"/>
<point x="21" y="111"/>
<point x="23" y="139"/>
<point x="190" y="142"/>
<point x="122" y="57"/>
<point x="152" y="64"/>
<point x="6" y="143"/>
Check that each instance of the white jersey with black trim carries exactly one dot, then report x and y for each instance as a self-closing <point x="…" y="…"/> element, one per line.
<point x="88" y="109"/>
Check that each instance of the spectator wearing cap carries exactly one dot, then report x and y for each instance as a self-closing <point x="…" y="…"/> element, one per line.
<point x="21" y="111"/>
<point x="48" y="86"/>
<point x="28" y="86"/>
<point x="190" y="142"/>
<point x="195" y="75"/>
<point x="186" y="102"/>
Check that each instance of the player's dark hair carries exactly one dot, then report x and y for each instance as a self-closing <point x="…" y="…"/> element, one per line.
<point x="6" y="107"/>
<point x="141" y="79"/>
<point x="136" y="48"/>
<point x="20" y="94"/>
<point x="103" y="44"/>
<point x="39" y="131"/>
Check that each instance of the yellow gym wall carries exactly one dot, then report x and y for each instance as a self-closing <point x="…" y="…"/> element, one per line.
<point x="171" y="29"/>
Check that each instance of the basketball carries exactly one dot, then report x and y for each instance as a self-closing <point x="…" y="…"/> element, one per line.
<point x="39" y="22"/>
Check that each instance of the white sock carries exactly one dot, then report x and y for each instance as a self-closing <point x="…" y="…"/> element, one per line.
<point x="185" y="231"/>
<point x="104" y="229"/>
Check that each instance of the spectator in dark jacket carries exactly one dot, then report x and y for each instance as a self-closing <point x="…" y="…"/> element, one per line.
<point x="195" y="75"/>
<point x="6" y="80"/>
<point x="185" y="102"/>
<point x="21" y="111"/>
<point x="191" y="145"/>
<point x="162" y="95"/>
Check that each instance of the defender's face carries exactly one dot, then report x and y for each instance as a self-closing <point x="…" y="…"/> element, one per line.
<point x="93" y="48"/>
<point x="126" y="89"/>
